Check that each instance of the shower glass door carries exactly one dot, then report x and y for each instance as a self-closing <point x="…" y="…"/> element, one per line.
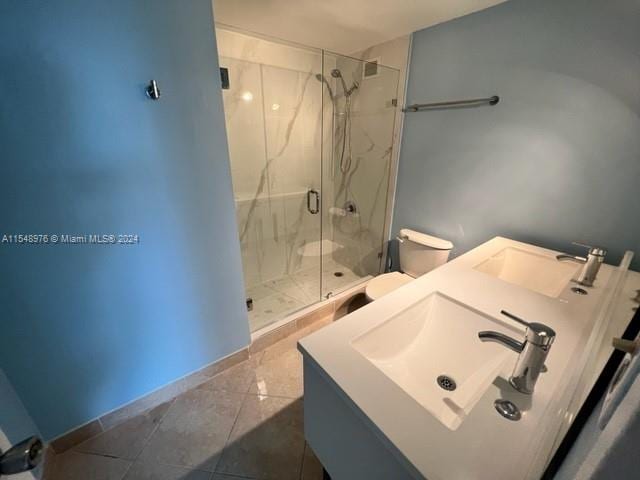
<point x="274" y="126"/>
<point x="359" y="106"/>
<point x="310" y="138"/>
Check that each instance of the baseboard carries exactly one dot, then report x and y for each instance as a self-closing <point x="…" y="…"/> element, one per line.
<point x="121" y="414"/>
<point x="333" y="308"/>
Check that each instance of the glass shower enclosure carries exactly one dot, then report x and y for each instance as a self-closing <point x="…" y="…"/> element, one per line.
<point x="310" y="135"/>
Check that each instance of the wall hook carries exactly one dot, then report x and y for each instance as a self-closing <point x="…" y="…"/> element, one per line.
<point x="153" y="92"/>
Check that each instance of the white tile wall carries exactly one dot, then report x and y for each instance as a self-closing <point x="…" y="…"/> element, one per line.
<point x="274" y="126"/>
<point x="282" y="131"/>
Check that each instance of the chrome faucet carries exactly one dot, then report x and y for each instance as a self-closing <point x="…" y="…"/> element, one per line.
<point x="591" y="264"/>
<point x="532" y="352"/>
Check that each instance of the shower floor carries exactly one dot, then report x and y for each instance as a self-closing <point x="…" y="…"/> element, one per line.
<point x="275" y="299"/>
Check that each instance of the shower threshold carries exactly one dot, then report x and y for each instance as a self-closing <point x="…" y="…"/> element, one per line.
<point x="277" y="299"/>
<point x="310" y="310"/>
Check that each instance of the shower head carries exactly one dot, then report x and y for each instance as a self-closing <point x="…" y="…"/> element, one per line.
<point x="336" y="73"/>
<point x="321" y="78"/>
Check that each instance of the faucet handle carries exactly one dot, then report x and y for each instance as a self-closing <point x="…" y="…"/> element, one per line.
<point x="516" y="318"/>
<point x="597" y="251"/>
<point x="537" y="333"/>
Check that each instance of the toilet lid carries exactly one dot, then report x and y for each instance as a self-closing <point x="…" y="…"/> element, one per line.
<point x="386" y="283"/>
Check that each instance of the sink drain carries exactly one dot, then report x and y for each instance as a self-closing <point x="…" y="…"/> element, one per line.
<point x="507" y="409"/>
<point x="446" y="383"/>
<point x="338" y="274"/>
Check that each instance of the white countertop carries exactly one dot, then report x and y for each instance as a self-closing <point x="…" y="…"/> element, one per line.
<point x="485" y="446"/>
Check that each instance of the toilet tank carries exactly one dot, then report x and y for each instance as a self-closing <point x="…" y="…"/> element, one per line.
<point x="420" y="253"/>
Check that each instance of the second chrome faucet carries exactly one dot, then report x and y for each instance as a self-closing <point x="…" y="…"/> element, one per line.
<point x="532" y="351"/>
<point x="591" y="263"/>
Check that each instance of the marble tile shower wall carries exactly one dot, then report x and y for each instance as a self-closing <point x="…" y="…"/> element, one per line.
<point x="280" y="123"/>
<point x="367" y="181"/>
<point x="395" y="54"/>
<point x="273" y="111"/>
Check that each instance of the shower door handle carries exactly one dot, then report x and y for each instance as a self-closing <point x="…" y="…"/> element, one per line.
<point x="316" y="208"/>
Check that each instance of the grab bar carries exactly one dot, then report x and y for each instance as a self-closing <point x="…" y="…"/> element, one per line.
<point x="475" y="102"/>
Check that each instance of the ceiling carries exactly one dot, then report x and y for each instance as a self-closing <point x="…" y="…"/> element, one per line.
<point x="341" y="26"/>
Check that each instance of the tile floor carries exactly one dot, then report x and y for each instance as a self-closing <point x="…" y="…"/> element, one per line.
<point x="244" y="423"/>
<point x="275" y="299"/>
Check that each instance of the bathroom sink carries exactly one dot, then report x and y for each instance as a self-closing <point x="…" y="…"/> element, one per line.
<point x="535" y="272"/>
<point x="431" y="351"/>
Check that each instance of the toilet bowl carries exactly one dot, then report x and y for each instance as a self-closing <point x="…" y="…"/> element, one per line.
<point x="419" y="253"/>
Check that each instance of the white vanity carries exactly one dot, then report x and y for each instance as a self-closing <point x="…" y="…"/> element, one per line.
<point x="405" y="388"/>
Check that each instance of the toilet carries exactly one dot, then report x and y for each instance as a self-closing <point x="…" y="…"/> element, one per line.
<point x="419" y="253"/>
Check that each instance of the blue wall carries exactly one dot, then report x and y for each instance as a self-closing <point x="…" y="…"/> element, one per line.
<point x="85" y="328"/>
<point x="558" y="159"/>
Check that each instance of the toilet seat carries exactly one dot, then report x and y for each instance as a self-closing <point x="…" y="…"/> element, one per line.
<point x="386" y="283"/>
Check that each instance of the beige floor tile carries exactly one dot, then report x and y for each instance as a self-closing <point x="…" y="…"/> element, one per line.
<point x="279" y="372"/>
<point x="236" y="379"/>
<point x="267" y="441"/>
<point x="48" y="463"/>
<point x="141" y="405"/>
<point x="81" y="466"/>
<point x="291" y="342"/>
<point x="156" y="471"/>
<point x="279" y="375"/>
<point x="194" y="431"/>
<point x="127" y="439"/>
<point x="69" y="440"/>
<point x="311" y="466"/>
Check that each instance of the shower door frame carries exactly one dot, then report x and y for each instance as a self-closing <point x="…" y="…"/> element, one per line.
<point x="391" y="175"/>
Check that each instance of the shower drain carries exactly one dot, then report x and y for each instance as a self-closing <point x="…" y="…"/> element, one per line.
<point x="446" y="383"/>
